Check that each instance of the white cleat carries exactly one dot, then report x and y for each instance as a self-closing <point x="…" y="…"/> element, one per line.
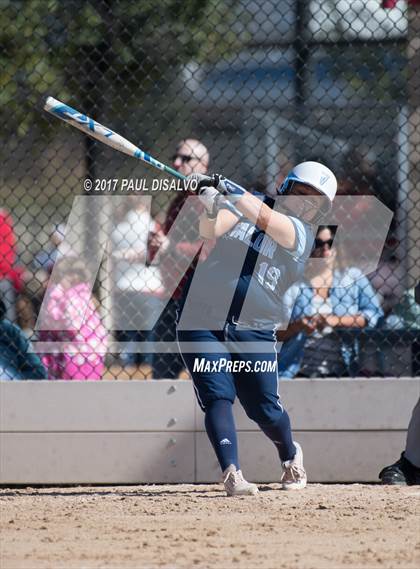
<point x="294" y="475"/>
<point x="235" y="483"/>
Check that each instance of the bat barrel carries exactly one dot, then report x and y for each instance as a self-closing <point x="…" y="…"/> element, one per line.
<point x="109" y="137"/>
<point x="89" y="126"/>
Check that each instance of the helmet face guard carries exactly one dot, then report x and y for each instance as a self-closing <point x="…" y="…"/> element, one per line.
<point x="286" y="186"/>
<point x="318" y="202"/>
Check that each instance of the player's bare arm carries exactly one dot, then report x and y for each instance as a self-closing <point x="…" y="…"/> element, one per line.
<point x="212" y="228"/>
<point x="277" y="225"/>
<point x="215" y="190"/>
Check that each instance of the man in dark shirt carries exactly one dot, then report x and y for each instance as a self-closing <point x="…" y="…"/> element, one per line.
<point x="184" y="241"/>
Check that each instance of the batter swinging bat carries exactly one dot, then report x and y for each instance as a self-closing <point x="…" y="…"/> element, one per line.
<point x="111" y="138"/>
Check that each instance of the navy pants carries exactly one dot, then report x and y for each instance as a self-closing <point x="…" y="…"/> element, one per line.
<point x="255" y="385"/>
<point x="167" y="365"/>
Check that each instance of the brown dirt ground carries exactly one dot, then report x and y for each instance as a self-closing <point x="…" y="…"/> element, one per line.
<point x="180" y="526"/>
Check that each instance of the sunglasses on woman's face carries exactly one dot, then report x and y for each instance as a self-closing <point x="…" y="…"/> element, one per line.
<point x="183" y="157"/>
<point x="319" y="243"/>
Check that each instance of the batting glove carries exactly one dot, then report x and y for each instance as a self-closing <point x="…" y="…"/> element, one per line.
<point x="212" y="200"/>
<point x="209" y="196"/>
<point x="223" y="185"/>
<point x="196" y="182"/>
<point x="228" y="188"/>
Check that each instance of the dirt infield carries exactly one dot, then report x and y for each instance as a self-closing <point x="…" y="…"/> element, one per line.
<point x="325" y="526"/>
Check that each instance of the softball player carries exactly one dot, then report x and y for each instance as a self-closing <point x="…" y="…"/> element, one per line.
<point x="274" y="245"/>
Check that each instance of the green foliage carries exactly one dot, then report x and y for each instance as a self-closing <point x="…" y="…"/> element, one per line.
<point x="25" y="61"/>
<point x="86" y="51"/>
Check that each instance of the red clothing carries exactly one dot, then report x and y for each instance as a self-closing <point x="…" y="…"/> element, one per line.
<point x="7" y="243"/>
<point x="8" y="251"/>
<point x="187" y="243"/>
<point x="393" y="3"/>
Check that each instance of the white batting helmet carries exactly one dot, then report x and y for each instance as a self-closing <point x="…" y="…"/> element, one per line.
<point x="313" y="174"/>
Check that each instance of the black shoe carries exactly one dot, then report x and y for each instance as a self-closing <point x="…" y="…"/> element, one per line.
<point x="401" y="473"/>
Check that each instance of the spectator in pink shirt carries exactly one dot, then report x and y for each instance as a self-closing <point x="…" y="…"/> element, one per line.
<point x="71" y="319"/>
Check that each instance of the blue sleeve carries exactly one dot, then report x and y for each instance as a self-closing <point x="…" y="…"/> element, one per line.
<point x="41" y="259"/>
<point x="289" y="305"/>
<point x="369" y="305"/>
<point x="299" y="300"/>
<point x="302" y="238"/>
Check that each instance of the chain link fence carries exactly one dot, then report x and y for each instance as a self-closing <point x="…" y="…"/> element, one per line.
<point x="246" y="88"/>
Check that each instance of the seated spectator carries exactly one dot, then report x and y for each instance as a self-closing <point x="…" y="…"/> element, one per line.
<point x="406" y="314"/>
<point x="17" y="360"/>
<point x="138" y="284"/>
<point x="70" y="317"/>
<point x="311" y="348"/>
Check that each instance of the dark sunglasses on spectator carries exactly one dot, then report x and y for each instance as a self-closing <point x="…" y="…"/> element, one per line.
<point x="184" y="158"/>
<point x="319" y="243"/>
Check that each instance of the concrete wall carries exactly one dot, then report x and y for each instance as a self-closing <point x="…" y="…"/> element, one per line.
<point x="152" y="431"/>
